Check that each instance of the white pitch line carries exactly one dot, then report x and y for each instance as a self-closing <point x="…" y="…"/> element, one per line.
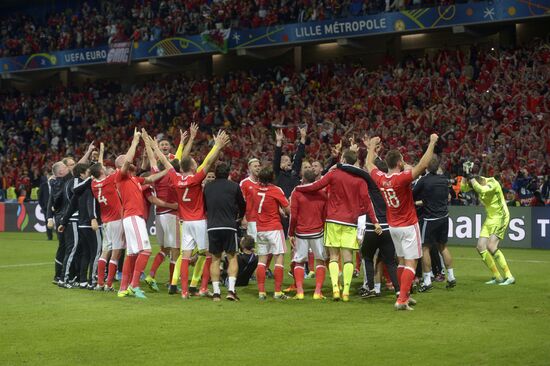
<point x="508" y="260"/>
<point x="24" y="265"/>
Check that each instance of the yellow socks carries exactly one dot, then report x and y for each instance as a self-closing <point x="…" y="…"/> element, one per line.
<point x="197" y="271"/>
<point x="490" y="263"/>
<point x="176" y="274"/>
<point x="501" y="261"/>
<point x="334" y="270"/>
<point x="348" y="276"/>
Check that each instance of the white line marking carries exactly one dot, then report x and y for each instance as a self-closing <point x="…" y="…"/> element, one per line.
<point x="508" y="260"/>
<point x="23" y="265"/>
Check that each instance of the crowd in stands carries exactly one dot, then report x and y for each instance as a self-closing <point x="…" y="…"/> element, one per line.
<point x="491" y="107"/>
<point x="100" y="22"/>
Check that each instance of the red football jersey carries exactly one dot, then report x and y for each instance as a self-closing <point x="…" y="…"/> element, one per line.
<point x="397" y="191"/>
<point x="105" y="192"/>
<point x="129" y="188"/>
<point x="307" y="213"/>
<point x="147" y="191"/>
<point x="348" y="197"/>
<point x="189" y="195"/>
<point x="266" y="203"/>
<point x="247" y="189"/>
<point x="165" y="192"/>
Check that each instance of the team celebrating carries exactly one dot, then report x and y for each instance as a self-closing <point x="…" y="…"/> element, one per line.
<point x="356" y="204"/>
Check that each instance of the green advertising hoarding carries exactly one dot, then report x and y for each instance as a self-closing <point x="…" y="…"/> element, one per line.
<point x="465" y="224"/>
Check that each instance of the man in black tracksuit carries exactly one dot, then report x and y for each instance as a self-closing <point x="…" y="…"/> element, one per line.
<point x="54" y="213"/>
<point x="225" y="207"/>
<point x="89" y="233"/>
<point x="372" y="241"/>
<point x="433" y="190"/>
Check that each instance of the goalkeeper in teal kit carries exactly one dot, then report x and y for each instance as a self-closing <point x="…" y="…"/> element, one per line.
<point x="495" y="225"/>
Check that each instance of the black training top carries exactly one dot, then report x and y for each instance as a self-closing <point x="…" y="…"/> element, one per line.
<point x="224" y="204"/>
<point x="433" y="191"/>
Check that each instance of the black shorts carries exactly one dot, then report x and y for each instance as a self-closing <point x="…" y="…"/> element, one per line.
<point x="222" y="240"/>
<point x="435" y="231"/>
<point x="373" y="241"/>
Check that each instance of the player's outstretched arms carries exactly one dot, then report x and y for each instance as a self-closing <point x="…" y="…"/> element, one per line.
<point x="149" y="149"/>
<point x="221" y="140"/>
<point x="101" y="153"/>
<point x="373" y="146"/>
<point x="85" y="159"/>
<point x="193" y="130"/>
<point x="129" y="157"/>
<point x="422" y="165"/>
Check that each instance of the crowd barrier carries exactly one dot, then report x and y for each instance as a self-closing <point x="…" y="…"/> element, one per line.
<point x="529" y="226"/>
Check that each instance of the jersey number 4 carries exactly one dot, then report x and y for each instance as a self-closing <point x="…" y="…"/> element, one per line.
<point x="261" y="201"/>
<point x="391" y="197"/>
<point x="101" y="198"/>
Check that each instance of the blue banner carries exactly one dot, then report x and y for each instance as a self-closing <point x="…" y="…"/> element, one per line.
<point x="220" y="41"/>
<point x="541" y="227"/>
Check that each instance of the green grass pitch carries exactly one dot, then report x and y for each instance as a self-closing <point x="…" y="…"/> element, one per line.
<point x="473" y="324"/>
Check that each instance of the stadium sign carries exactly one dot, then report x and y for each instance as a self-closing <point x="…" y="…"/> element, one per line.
<point x="528" y="228"/>
<point x="465" y="224"/>
<point x="224" y="40"/>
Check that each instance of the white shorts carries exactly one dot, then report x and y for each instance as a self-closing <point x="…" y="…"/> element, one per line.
<point x="302" y="246"/>
<point x="113" y="236"/>
<point x="167" y="226"/>
<point x="136" y="235"/>
<point x="194" y="234"/>
<point x="251" y="230"/>
<point x="271" y="242"/>
<point x="407" y="241"/>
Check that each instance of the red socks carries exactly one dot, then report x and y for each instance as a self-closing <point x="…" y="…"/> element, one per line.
<point x="298" y="277"/>
<point x="159" y="258"/>
<point x="357" y="262"/>
<point x="260" y="277"/>
<point x="101" y="264"/>
<point x="206" y="274"/>
<point x="278" y="275"/>
<point x="141" y="263"/>
<point x="320" y="272"/>
<point x="113" y="264"/>
<point x="127" y="270"/>
<point x="407" y="278"/>
<point x="184" y="274"/>
<point x="400" y="269"/>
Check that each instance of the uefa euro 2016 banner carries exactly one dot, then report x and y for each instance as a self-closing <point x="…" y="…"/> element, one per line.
<point x="223" y="40"/>
<point x="528" y="228"/>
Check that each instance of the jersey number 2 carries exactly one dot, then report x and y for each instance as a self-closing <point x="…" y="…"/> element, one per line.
<point x="185" y="198"/>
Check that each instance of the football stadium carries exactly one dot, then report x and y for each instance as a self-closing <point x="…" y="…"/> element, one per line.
<point x="251" y="182"/>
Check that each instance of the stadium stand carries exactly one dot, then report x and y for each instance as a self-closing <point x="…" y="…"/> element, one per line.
<point x="490" y="104"/>
<point x="96" y="23"/>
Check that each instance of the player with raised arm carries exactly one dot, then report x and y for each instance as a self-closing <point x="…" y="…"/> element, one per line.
<point x="166" y="220"/>
<point x="268" y="200"/>
<point x="191" y="208"/>
<point x="348" y="198"/>
<point x="401" y="214"/>
<point x="306" y="229"/>
<point x="105" y="191"/>
<point x="133" y="210"/>
<point x="495" y="225"/>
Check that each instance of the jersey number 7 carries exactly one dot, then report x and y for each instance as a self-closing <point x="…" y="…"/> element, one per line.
<point x="261" y="202"/>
